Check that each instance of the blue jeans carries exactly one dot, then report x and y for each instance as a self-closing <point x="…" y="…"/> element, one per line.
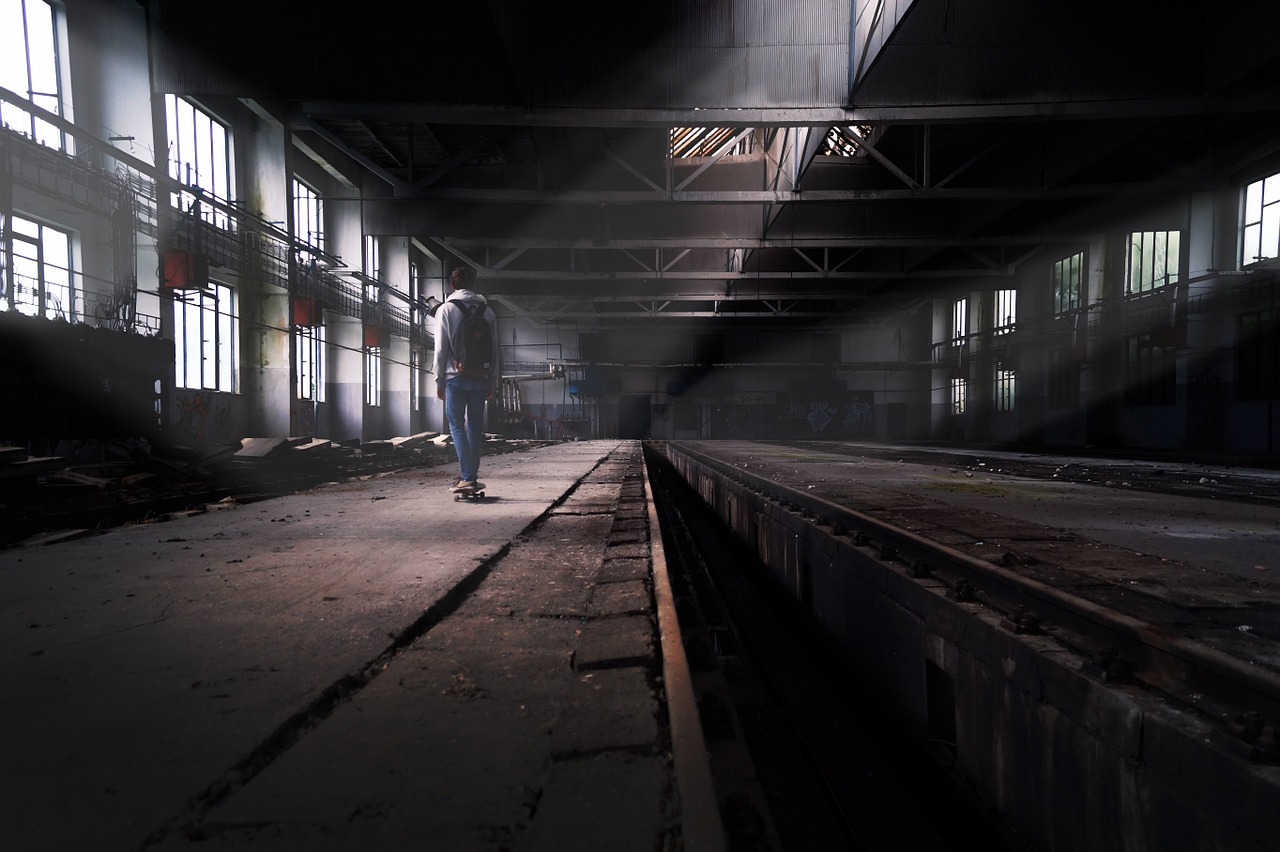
<point x="464" y="400"/>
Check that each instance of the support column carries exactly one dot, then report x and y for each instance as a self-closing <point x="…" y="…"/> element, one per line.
<point x="346" y="359"/>
<point x="395" y="393"/>
<point x="266" y="379"/>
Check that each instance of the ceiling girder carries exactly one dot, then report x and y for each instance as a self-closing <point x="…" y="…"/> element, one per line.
<point x="1189" y="107"/>
<point x="808" y="196"/>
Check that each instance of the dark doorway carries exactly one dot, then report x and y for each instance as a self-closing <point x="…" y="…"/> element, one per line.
<point x="634" y="413"/>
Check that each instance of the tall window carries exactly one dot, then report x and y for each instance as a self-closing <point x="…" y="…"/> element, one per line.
<point x="415" y="293"/>
<point x="1152" y="261"/>
<point x="200" y="157"/>
<point x="1004" y="387"/>
<point x="308" y="217"/>
<point x="1006" y="311"/>
<point x="1258" y="358"/>
<point x="1260" y="230"/>
<point x="309" y="362"/>
<point x="959" y="395"/>
<point x="1068" y="279"/>
<point x="372" y="259"/>
<point x="43" y="280"/>
<point x="29" y="66"/>
<point x="1148" y="373"/>
<point x="372" y="375"/>
<point x="206" y="338"/>
<point x="959" y="320"/>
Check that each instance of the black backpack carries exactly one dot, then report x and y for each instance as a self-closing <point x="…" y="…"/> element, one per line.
<point x="473" y="341"/>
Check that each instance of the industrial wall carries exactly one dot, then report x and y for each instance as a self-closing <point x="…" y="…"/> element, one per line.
<point x="1158" y="368"/>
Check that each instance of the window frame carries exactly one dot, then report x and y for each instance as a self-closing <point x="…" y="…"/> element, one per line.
<point x="216" y="337"/>
<point x="206" y="148"/>
<point x="1143" y="252"/>
<point x="372" y="257"/>
<point x="305" y="198"/>
<point x="1265" y="222"/>
<point x="41" y="66"/>
<point x="310" y="362"/>
<point x="960" y="320"/>
<point x="48" y="274"/>
<point x="1004" y="307"/>
<point x="1004" y="388"/>
<point x="373" y="376"/>
<point x="1068" y="284"/>
<point x="959" y="400"/>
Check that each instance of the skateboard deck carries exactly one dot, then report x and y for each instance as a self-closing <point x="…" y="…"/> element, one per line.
<point x="468" y="495"/>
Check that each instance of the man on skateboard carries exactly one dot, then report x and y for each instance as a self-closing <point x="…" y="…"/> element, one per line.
<point x="467" y="372"/>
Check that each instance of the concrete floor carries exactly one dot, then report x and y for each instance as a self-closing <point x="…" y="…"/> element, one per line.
<point x="263" y="676"/>
<point x="1174" y="510"/>
<point x="220" y="676"/>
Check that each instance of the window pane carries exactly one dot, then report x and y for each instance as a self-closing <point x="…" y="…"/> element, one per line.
<point x="1253" y="202"/>
<point x="1271" y="189"/>
<point x="226" y="340"/>
<point x="1252" y="249"/>
<point x="13" y="50"/>
<point x="191" y="345"/>
<point x="1270" y="233"/>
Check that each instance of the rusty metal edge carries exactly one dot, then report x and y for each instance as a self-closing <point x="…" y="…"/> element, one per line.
<point x="701" y="828"/>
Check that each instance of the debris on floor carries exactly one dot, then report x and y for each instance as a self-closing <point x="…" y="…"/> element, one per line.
<point x="42" y="496"/>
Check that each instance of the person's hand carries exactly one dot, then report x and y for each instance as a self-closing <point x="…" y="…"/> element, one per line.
<point x="488" y="394"/>
<point x="439" y="391"/>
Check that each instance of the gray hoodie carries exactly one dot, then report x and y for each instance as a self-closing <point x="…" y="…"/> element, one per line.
<point x="448" y="318"/>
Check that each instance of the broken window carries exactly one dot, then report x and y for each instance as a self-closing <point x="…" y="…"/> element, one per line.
<point x="206" y="338"/>
<point x="1258" y="356"/>
<point x="1148" y="372"/>
<point x="309" y="362"/>
<point x="1152" y="261"/>
<point x="959" y="395"/>
<point x="29" y="65"/>
<point x="1068" y="278"/>
<point x="308" y="219"/>
<point x="43" y="278"/>
<point x="1006" y="311"/>
<point x="200" y="159"/>
<point x="1005" y="379"/>
<point x="1260" y="228"/>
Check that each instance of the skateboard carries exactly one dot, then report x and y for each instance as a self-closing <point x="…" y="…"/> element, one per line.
<point x="472" y="494"/>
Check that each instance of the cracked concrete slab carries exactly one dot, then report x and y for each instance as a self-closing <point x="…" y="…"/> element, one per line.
<point x="145" y="664"/>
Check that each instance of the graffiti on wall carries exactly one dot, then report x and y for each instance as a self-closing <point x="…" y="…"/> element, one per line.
<point x="302" y="417"/>
<point x="203" y="417"/>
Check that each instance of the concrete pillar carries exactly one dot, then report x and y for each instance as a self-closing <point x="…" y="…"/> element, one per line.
<point x="266" y="371"/>
<point x="1102" y="385"/>
<point x="397" y="417"/>
<point x="346" y="382"/>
